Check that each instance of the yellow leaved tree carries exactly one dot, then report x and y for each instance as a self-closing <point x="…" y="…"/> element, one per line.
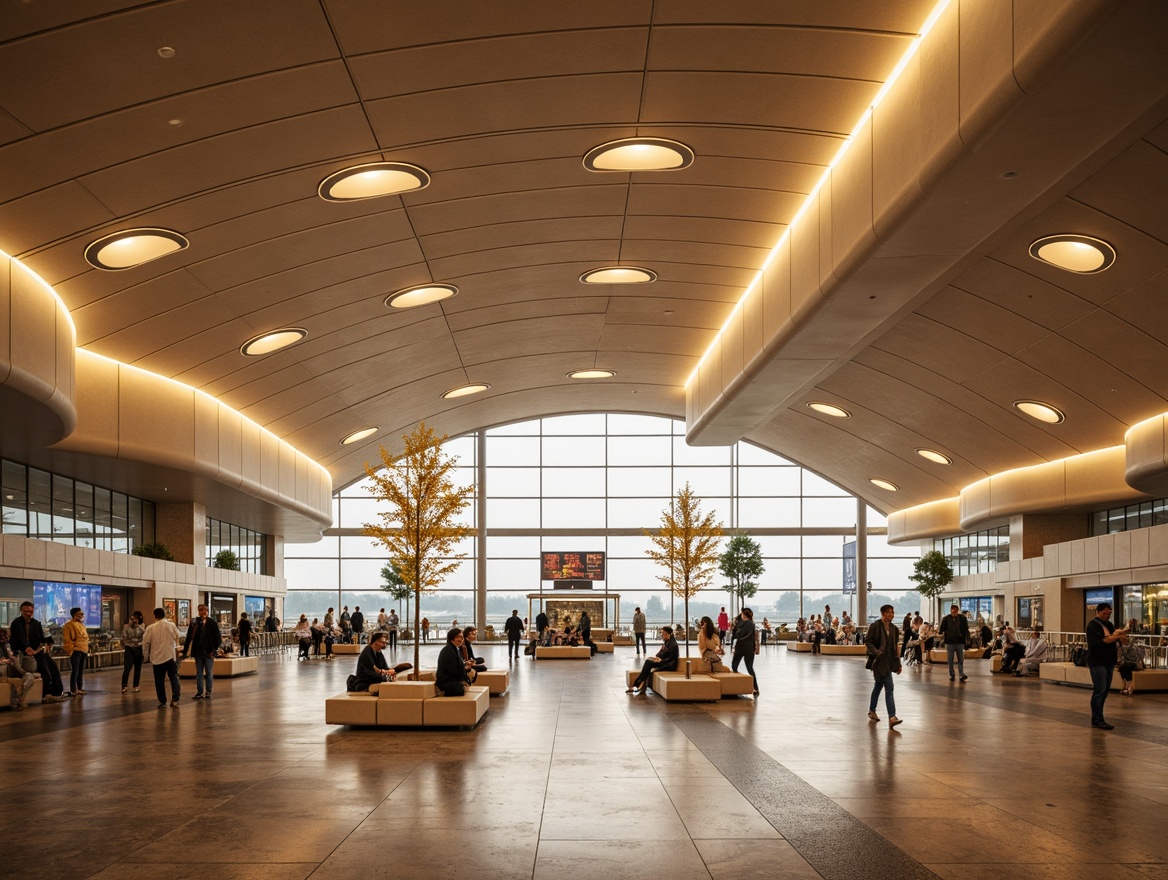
<point x="686" y="545"/>
<point x="420" y="528"/>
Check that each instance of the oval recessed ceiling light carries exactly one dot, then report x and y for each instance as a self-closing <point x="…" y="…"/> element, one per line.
<point x="359" y="435"/>
<point x="372" y="180"/>
<point x="934" y="456"/>
<point x="464" y="390"/>
<point x="639" y="154"/>
<point x="1044" y="412"/>
<point x="422" y="295"/>
<point x="133" y="247"/>
<point x="592" y="374"/>
<point x="828" y="410"/>
<point x="266" y="343"/>
<point x="1081" y="254"/>
<point x="619" y="275"/>
<point x="884" y="484"/>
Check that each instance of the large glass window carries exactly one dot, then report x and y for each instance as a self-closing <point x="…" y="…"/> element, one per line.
<point x="978" y="552"/>
<point x="248" y="546"/>
<point x="593" y="483"/>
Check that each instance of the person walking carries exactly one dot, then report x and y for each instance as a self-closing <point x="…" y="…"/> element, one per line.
<point x="132" y="634"/>
<point x="75" y="641"/>
<point x="424" y="626"/>
<point x="391" y="625"/>
<point x="158" y="649"/>
<point x="514" y="629"/>
<point x="245" y="635"/>
<point x="639" y="631"/>
<point x="1102" y="655"/>
<point x="723" y="624"/>
<point x="883" y="641"/>
<point x="745" y="644"/>
<point x="954" y="630"/>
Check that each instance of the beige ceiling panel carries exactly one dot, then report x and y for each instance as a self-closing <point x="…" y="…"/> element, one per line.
<point x="935" y="519"/>
<point x="514" y="234"/>
<point x="506" y="178"/>
<point x="97" y="404"/>
<point x="777" y="175"/>
<point x="282" y="252"/>
<point x="28" y="18"/>
<point x="1143" y="360"/>
<point x="816" y="104"/>
<point x="656" y="311"/>
<point x="10" y="129"/>
<point x="264" y="292"/>
<point x="685" y="341"/>
<point x="896" y="150"/>
<point x="839" y="54"/>
<point x="155" y="424"/>
<point x="594" y="253"/>
<point x="504" y="313"/>
<point x="143" y="183"/>
<point x="546" y="204"/>
<point x="727" y="202"/>
<point x="340" y="305"/>
<point x="113" y="138"/>
<point x="478" y="345"/>
<point x="951" y="353"/>
<point x="47" y="215"/>
<point x="604" y="99"/>
<point x="1146" y="461"/>
<point x="447" y="65"/>
<point x="704" y="229"/>
<point x="136" y="340"/>
<point x="389" y="343"/>
<point x="705" y="253"/>
<point x="989" y="321"/>
<point x="904" y="17"/>
<point x="505" y="148"/>
<point x="138" y="303"/>
<point x="363" y="26"/>
<point x="201" y="358"/>
<point x="1013" y="290"/>
<point x="289" y="375"/>
<point x="987" y="66"/>
<point x="1143" y="306"/>
<point x="116" y="56"/>
<point x="1120" y="190"/>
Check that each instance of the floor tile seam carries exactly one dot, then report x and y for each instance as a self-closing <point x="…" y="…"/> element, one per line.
<point x="896" y="864"/>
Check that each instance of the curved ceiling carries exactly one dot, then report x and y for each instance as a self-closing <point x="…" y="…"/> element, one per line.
<point x="218" y="120"/>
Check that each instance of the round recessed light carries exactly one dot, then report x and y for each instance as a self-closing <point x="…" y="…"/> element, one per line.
<point x="266" y="343"/>
<point x="592" y="374"/>
<point x="133" y="247"/>
<point x="359" y="435"/>
<point x="166" y="52"/>
<point x="422" y="295"/>
<point x="372" y="180"/>
<point x="884" y="484"/>
<point x="619" y="275"/>
<point x="934" y="456"/>
<point x="464" y="390"/>
<point x="1044" y="412"/>
<point x="1081" y="254"/>
<point x="829" y="410"/>
<point x="639" y="154"/>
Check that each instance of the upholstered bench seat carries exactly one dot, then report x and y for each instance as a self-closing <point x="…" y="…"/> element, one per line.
<point x="734" y="684"/>
<point x="347" y="649"/>
<point x="1069" y="673"/>
<point x="33" y="695"/>
<point x="799" y="647"/>
<point x="604" y="647"/>
<point x="845" y="650"/>
<point x="464" y="711"/>
<point x="495" y="680"/>
<point x="407" y="704"/>
<point x="563" y="652"/>
<point x="223" y="667"/>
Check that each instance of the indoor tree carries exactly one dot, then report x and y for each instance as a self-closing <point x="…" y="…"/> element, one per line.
<point x="741" y="564"/>
<point x="686" y="546"/>
<point x="932" y="573"/>
<point x="394" y="584"/>
<point x="421" y="526"/>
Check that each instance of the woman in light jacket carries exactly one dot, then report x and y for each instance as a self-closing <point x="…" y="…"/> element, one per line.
<point x="710" y="645"/>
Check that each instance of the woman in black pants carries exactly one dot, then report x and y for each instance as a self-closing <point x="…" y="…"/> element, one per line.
<point x="744" y="644"/>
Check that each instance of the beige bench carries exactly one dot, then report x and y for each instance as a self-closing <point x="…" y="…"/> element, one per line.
<point x="407" y="704"/>
<point x="604" y="647"/>
<point x="347" y="649"/>
<point x="730" y="684"/>
<point x="799" y="647"/>
<point x="675" y="687"/>
<point x="845" y="650"/>
<point x="1069" y="673"/>
<point x="223" y="667"/>
<point x="32" y="696"/>
<point x="494" y="680"/>
<point x="563" y="652"/>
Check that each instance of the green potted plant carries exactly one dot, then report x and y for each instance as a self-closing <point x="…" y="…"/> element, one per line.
<point x="227" y="559"/>
<point x="154" y="550"/>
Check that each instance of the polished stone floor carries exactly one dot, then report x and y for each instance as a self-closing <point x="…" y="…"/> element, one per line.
<point x="569" y="776"/>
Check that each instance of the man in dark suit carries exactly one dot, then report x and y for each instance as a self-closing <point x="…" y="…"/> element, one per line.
<point x="202" y="641"/>
<point x="514" y="629"/>
<point x="451" y="677"/>
<point x="665" y="661"/>
<point x="372" y="667"/>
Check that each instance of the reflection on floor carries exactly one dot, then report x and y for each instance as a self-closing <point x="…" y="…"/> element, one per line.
<point x="568" y="776"/>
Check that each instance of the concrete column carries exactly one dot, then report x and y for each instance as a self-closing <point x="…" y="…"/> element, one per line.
<point x="480" y="615"/>
<point x="182" y="527"/>
<point x="274" y="556"/>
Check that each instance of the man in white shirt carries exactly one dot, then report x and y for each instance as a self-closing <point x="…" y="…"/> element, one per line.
<point x="158" y="649"/>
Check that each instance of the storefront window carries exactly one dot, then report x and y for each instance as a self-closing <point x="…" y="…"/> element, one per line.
<point x="1029" y="613"/>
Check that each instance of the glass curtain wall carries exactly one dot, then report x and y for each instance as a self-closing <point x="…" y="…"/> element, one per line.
<point x="248" y="546"/>
<point x="592" y="483"/>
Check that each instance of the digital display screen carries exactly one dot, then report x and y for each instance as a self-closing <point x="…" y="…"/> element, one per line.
<point x="52" y="600"/>
<point x="572" y="566"/>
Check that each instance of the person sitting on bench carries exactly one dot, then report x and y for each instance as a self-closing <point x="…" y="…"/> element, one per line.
<point x="1035" y="652"/>
<point x="451" y="677"/>
<point x="468" y="654"/>
<point x="372" y="667"/>
<point x="665" y="661"/>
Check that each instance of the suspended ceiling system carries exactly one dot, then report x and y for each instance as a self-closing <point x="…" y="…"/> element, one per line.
<point x="219" y="123"/>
